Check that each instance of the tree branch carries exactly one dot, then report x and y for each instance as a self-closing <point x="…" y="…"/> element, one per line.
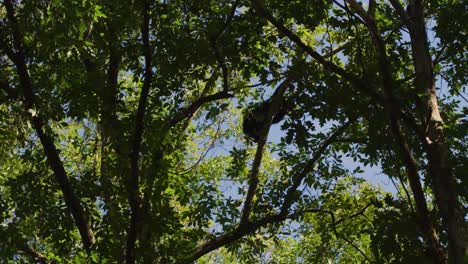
<point x="295" y="38"/>
<point x="228" y="21"/>
<point x="335" y="223"/>
<point x="10" y="92"/>
<point x="47" y="141"/>
<point x="289" y="198"/>
<point x="392" y="104"/>
<point x="134" y="198"/>
<point x="400" y="11"/>
<point x="253" y="179"/>
<point x="191" y="110"/>
<point x="277" y="97"/>
<point x="246" y="227"/>
<point x="214" y="42"/>
<point x="36" y="256"/>
<point x="328" y="65"/>
<point x="243" y="230"/>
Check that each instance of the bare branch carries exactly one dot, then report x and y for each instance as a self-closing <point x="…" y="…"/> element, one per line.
<point x="203" y="155"/>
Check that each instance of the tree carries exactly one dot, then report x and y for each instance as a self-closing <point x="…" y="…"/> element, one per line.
<point x="114" y="115"/>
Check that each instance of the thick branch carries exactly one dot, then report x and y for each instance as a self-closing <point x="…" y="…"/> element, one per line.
<point x="47" y="141"/>
<point x="253" y="179"/>
<point x="230" y="237"/>
<point x="133" y="181"/>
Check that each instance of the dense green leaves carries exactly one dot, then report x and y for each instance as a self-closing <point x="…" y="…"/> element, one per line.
<point x="314" y="193"/>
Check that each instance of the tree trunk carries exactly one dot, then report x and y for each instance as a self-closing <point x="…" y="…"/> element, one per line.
<point x="443" y="182"/>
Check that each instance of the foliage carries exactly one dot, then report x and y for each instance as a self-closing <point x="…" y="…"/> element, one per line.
<point x="121" y="131"/>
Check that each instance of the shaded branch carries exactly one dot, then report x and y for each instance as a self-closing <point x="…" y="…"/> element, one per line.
<point x="192" y="109"/>
<point x="11" y="93"/>
<point x="245" y="226"/>
<point x="214" y="41"/>
<point x="134" y="198"/>
<point x="400" y="11"/>
<point x="228" y="21"/>
<point x="372" y="8"/>
<point x="392" y="105"/>
<point x="335" y="223"/>
<point x="36" y="256"/>
<point x="250" y="228"/>
<point x="214" y="44"/>
<point x="328" y="65"/>
<point x="295" y="38"/>
<point x="71" y="200"/>
<point x="438" y="58"/>
<point x="276" y="98"/>
<point x="309" y="167"/>
<point x="346" y="9"/>
<point x="360" y="212"/>
<point x="338" y="49"/>
<point x="222" y="64"/>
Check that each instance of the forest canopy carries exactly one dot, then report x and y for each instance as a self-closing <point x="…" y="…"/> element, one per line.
<point x="233" y="131"/>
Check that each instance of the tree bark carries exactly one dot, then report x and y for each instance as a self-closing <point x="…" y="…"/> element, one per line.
<point x="443" y="181"/>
